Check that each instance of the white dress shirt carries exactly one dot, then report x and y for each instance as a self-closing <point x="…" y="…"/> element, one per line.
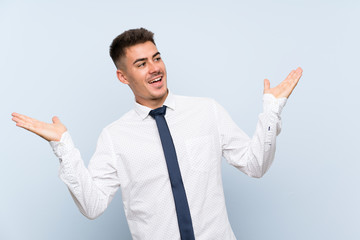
<point x="129" y="155"/>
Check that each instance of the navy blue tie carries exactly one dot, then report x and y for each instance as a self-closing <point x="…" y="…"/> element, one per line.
<point x="181" y="204"/>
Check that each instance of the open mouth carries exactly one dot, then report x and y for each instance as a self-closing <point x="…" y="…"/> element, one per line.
<point x="158" y="79"/>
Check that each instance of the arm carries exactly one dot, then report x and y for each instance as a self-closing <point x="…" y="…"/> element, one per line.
<point x="255" y="155"/>
<point x="92" y="189"/>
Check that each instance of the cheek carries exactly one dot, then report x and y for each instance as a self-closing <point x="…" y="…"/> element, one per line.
<point x="138" y="77"/>
<point x="163" y="66"/>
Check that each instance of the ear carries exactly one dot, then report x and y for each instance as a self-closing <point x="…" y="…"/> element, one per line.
<point x="121" y="76"/>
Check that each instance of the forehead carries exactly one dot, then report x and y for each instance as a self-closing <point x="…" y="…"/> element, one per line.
<point x="140" y="50"/>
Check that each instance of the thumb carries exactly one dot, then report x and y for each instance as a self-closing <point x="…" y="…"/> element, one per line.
<point x="266" y="84"/>
<point x="56" y="120"/>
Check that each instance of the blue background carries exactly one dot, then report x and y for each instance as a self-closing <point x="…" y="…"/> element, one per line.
<point x="54" y="61"/>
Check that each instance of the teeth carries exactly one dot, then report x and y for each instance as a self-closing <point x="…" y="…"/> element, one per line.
<point x="155" y="80"/>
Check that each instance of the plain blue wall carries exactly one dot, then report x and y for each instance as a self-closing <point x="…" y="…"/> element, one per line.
<point x="54" y="61"/>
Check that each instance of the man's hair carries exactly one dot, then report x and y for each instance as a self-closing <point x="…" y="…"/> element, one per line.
<point x="127" y="39"/>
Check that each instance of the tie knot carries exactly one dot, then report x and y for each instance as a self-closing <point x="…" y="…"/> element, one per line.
<point x="158" y="111"/>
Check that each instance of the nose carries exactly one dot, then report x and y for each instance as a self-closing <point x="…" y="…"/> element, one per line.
<point x="153" y="67"/>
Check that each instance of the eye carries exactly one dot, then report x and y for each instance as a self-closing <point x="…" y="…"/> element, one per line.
<point x="142" y="64"/>
<point x="157" y="59"/>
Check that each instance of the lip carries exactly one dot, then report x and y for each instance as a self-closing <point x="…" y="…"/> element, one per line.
<point x="161" y="76"/>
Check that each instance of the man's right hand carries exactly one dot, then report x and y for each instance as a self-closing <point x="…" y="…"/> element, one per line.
<point x="48" y="131"/>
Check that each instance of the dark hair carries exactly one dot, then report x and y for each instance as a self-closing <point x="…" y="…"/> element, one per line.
<point x="127" y="39"/>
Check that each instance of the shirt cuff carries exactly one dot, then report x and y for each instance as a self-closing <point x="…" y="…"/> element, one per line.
<point x="64" y="146"/>
<point x="273" y="104"/>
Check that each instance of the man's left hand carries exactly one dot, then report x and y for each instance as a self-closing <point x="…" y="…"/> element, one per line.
<point x="285" y="88"/>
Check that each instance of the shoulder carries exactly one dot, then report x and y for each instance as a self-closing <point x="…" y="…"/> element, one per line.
<point x="124" y="120"/>
<point x="194" y="101"/>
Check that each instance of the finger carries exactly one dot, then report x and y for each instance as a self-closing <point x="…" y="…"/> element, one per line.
<point x="55" y="119"/>
<point x="24" y="121"/>
<point x="20" y="120"/>
<point x="298" y="71"/>
<point x="23" y="117"/>
<point x="26" y="126"/>
<point x="18" y="115"/>
<point x="289" y="77"/>
<point x="17" y="120"/>
<point x="295" y="79"/>
<point x="297" y="76"/>
<point x="266" y="84"/>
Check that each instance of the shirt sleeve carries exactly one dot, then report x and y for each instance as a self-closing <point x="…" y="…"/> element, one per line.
<point x="253" y="156"/>
<point x="94" y="187"/>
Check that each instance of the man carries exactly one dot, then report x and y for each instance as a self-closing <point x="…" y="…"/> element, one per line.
<point x="132" y="152"/>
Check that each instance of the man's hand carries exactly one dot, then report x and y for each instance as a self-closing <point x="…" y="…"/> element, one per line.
<point x="285" y="88"/>
<point x="48" y="131"/>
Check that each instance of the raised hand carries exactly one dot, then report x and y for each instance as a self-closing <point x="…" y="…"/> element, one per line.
<point x="285" y="88"/>
<point x="48" y="131"/>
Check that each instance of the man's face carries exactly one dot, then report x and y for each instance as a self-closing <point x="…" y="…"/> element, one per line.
<point x="144" y="71"/>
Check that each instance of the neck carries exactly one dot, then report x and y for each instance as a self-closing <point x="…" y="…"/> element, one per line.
<point x="153" y="103"/>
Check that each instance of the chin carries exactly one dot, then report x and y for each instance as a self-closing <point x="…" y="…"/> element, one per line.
<point x="160" y="94"/>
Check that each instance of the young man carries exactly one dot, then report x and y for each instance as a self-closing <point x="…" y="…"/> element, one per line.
<point x="167" y="194"/>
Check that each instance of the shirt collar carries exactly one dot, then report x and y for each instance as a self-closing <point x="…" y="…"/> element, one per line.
<point x="143" y="111"/>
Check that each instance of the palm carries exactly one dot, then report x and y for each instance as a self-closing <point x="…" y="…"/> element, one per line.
<point x="285" y="88"/>
<point x="48" y="131"/>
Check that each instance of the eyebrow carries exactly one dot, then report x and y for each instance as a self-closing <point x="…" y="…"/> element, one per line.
<point x="143" y="59"/>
